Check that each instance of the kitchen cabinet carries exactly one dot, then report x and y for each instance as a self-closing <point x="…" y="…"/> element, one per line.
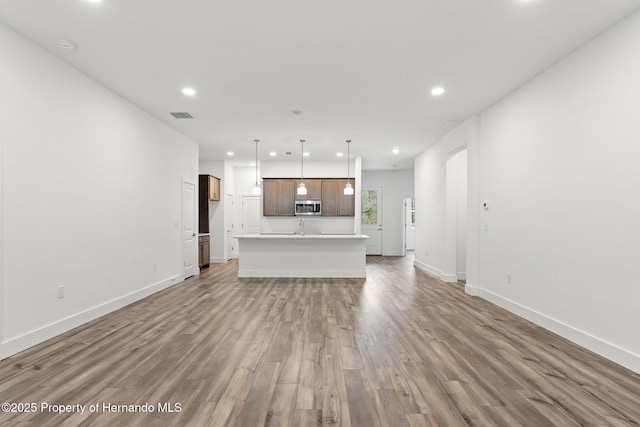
<point x="334" y="201"/>
<point x="203" y="251"/>
<point x="214" y="189"/>
<point x="208" y="190"/>
<point x="314" y="189"/>
<point x="278" y="197"/>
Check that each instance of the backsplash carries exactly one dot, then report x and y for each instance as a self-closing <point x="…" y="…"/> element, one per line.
<point x="312" y="225"/>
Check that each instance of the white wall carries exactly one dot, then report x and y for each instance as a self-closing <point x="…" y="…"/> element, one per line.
<point x="560" y="167"/>
<point x="396" y="186"/>
<point x="91" y="197"/>
<point x="557" y="161"/>
<point x="312" y="169"/>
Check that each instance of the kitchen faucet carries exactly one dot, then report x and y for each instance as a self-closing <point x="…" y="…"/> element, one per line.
<point x="302" y="226"/>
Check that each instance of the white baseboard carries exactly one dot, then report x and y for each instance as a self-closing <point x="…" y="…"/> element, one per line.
<point x="462" y="275"/>
<point x="472" y="290"/>
<point x="218" y="260"/>
<point x="17" y="344"/>
<point x="606" y="349"/>
<point x="431" y="271"/>
<point x="449" y="278"/>
<point x="392" y="253"/>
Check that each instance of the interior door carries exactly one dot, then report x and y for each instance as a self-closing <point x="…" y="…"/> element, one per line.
<point x="189" y="243"/>
<point x="229" y="226"/>
<point x="250" y="214"/>
<point x="372" y="218"/>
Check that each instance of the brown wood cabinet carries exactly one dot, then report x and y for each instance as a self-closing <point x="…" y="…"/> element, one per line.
<point x="334" y="202"/>
<point x="203" y="251"/>
<point x="314" y="189"/>
<point x="278" y="197"/>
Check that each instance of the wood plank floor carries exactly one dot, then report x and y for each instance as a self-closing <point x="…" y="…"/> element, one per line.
<point x="396" y="349"/>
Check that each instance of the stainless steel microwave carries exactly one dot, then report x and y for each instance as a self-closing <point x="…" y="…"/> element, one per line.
<point x="308" y="207"/>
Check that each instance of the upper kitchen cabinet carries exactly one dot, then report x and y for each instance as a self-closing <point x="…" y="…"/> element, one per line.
<point x="214" y="188"/>
<point x="334" y="202"/>
<point x="278" y="197"/>
<point x="314" y="189"/>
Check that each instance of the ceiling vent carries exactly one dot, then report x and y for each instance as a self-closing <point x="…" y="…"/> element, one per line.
<point x="182" y="115"/>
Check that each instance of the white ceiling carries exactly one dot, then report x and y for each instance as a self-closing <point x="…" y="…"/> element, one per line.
<point x="358" y="69"/>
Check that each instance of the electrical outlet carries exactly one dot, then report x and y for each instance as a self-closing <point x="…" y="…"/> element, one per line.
<point x="508" y="278"/>
<point x="155" y="266"/>
<point x="60" y="291"/>
<point x="427" y="253"/>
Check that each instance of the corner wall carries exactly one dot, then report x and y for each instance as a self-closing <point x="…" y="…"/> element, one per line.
<point x="91" y="197"/>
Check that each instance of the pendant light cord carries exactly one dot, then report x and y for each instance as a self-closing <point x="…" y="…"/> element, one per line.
<point x="256" y="141"/>
<point x="348" y="159"/>
<point x="302" y="163"/>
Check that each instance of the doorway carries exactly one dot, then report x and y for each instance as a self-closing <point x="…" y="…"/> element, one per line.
<point x="189" y="244"/>
<point x="409" y="225"/>
<point x="456" y="218"/>
<point x="229" y="226"/>
<point x="371" y="218"/>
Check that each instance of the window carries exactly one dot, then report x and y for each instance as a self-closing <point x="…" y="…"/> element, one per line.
<point x="369" y="207"/>
<point x="413" y="212"/>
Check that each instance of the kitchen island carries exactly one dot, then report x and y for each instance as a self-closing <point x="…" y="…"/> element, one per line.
<point x="302" y="255"/>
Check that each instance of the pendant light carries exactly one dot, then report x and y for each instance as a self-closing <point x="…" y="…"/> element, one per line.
<point x="302" y="190"/>
<point x="348" y="189"/>
<point x="256" y="188"/>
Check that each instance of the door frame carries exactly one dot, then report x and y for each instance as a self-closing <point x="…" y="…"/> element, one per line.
<point x="195" y="222"/>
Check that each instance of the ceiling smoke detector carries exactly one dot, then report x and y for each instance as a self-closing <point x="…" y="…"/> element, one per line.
<point x="182" y="115"/>
<point x="296" y="112"/>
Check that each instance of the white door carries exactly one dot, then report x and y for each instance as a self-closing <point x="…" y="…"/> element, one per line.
<point x="372" y="218"/>
<point x="189" y="244"/>
<point x="229" y="215"/>
<point x="250" y="214"/>
<point x="409" y="221"/>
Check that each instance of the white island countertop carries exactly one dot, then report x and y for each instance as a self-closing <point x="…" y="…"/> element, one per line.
<point x="302" y="255"/>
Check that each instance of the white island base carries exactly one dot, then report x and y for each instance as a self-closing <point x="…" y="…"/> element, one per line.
<point x="295" y="255"/>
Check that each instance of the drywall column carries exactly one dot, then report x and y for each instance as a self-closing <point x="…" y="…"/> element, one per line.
<point x="474" y="207"/>
<point x="451" y="220"/>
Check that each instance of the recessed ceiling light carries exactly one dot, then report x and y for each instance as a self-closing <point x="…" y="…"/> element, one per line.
<point x="273" y="154"/>
<point x="306" y="154"/>
<point x="189" y="91"/>
<point x="67" y="44"/>
<point x="395" y="151"/>
<point x="229" y="153"/>
<point x="339" y="154"/>
<point x="437" y="91"/>
<point x="93" y="1"/>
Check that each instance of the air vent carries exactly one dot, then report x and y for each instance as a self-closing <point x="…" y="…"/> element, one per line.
<point x="182" y="115"/>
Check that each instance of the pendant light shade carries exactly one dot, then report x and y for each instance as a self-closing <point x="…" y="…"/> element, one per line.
<point x="302" y="189"/>
<point x="256" y="188"/>
<point x="348" y="189"/>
